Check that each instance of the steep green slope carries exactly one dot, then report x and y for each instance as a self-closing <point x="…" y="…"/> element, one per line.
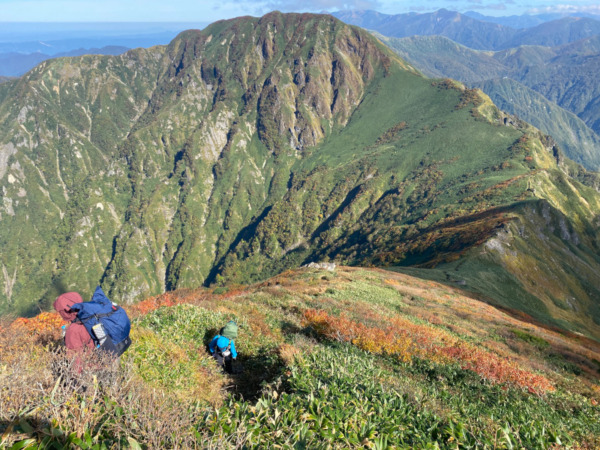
<point x="64" y="193"/>
<point x="578" y="141"/>
<point x="142" y="169"/>
<point x="257" y="145"/>
<point x="527" y="81"/>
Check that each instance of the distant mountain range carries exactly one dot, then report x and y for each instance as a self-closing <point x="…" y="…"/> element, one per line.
<point x="526" y="20"/>
<point x="62" y="46"/>
<point x="24" y="45"/>
<point x="473" y="33"/>
<point x="16" y="64"/>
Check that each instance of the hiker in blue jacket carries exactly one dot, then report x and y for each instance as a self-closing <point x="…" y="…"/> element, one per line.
<point x="222" y="346"/>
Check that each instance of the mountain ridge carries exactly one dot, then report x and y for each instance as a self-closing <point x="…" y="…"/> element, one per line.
<point x="471" y="32"/>
<point x="547" y="71"/>
<point x="258" y="145"/>
<point x="526" y="20"/>
<point x="16" y="64"/>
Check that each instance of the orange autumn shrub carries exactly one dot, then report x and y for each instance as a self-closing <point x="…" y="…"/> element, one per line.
<point x="427" y="339"/>
<point x="45" y="326"/>
<point x="403" y="339"/>
<point x="495" y="369"/>
<point x="22" y="335"/>
<point x="371" y="339"/>
<point x="150" y="304"/>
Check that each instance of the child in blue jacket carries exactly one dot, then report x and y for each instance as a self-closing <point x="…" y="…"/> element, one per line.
<point x="222" y="346"/>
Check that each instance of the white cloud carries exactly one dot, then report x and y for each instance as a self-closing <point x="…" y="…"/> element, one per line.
<point x="326" y="4"/>
<point x="309" y="5"/>
<point x="232" y="8"/>
<point x="566" y="9"/>
<point x="491" y="7"/>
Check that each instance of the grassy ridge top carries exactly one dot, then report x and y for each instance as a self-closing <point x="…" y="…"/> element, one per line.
<point x="344" y="358"/>
<point x="548" y="87"/>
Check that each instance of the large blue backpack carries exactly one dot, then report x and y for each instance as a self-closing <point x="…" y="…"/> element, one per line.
<point x="115" y="323"/>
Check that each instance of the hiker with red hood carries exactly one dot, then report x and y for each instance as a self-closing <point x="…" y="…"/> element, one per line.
<point x="98" y="326"/>
<point x="77" y="336"/>
<point x="98" y="323"/>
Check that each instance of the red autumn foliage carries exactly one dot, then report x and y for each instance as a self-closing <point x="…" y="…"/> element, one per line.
<point x="42" y="323"/>
<point x="150" y="304"/>
<point x="403" y="339"/>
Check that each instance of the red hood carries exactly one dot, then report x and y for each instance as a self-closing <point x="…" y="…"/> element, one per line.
<point x="63" y="305"/>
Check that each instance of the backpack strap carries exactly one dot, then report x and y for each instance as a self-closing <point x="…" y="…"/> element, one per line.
<point x="98" y="316"/>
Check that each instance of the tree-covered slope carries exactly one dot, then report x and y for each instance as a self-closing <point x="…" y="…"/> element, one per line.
<point x="257" y="145"/>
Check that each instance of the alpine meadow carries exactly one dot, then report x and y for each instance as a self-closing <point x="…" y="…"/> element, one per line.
<point x="455" y="297"/>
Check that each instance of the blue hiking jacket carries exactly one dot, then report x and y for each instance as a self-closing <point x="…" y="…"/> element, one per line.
<point x="221" y="342"/>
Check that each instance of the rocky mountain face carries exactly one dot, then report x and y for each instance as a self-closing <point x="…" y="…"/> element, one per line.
<point x="258" y="145"/>
<point x="130" y="166"/>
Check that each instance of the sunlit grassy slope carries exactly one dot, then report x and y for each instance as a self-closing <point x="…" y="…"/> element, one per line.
<point x="529" y="81"/>
<point x="346" y="358"/>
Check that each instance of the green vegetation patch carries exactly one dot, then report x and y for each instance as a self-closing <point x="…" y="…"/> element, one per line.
<point x="531" y="339"/>
<point x="338" y="396"/>
<point x="305" y="388"/>
<point x="183" y="324"/>
<point x="163" y="364"/>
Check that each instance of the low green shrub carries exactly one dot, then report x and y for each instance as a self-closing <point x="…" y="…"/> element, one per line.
<point x="536" y="341"/>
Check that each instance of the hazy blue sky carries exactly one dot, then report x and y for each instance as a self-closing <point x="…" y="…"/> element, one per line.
<point x="208" y="11"/>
